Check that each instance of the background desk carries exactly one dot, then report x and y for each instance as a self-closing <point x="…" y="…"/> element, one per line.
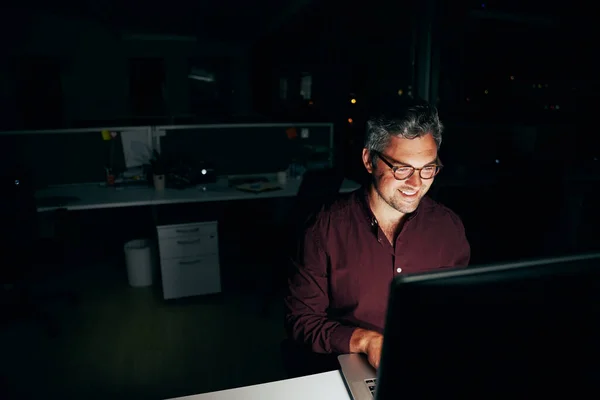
<point x="326" y="386"/>
<point x="112" y="216"/>
<point x="94" y="196"/>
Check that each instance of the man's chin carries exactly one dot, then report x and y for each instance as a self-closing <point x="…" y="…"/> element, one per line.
<point x="407" y="207"/>
<point x="407" y="210"/>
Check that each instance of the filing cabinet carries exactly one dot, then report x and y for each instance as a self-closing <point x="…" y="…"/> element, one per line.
<point x="189" y="259"/>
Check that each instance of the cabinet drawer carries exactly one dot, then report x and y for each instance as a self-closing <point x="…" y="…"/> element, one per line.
<point x="186" y="230"/>
<point x="188" y="246"/>
<point x="190" y="277"/>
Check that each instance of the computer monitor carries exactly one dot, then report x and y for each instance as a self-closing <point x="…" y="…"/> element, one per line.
<point x="520" y="330"/>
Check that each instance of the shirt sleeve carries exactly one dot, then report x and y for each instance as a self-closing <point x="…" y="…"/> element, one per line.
<point x="307" y="299"/>
<point x="459" y="251"/>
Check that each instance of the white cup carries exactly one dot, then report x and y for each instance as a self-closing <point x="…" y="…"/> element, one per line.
<point x="282" y="177"/>
<point x="159" y="182"/>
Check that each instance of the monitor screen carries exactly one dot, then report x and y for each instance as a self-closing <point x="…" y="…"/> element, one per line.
<point x="521" y="329"/>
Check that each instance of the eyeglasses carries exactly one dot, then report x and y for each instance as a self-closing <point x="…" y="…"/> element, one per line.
<point x="406" y="171"/>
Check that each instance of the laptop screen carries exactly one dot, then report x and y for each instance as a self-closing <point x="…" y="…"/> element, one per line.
<point x="522" y="329"/>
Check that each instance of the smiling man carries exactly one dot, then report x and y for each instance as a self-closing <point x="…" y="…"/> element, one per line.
<point x="349" y="254"/>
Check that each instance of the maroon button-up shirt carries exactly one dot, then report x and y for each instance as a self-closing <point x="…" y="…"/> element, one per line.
<point x="345" y="264"/>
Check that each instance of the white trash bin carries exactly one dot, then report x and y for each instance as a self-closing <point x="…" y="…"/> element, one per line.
<point x="138" y="258"/>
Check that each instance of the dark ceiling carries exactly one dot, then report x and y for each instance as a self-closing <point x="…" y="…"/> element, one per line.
<point x="238" y="21"/>
<point x="244" y="22"/>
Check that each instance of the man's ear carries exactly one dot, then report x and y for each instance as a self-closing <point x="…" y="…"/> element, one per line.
<point x="366" y="157"/>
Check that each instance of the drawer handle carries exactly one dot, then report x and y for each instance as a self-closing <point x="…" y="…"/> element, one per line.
<point x="188" y="241"/>
<point x="190" y="262"/>
<point x="187" y="230"/>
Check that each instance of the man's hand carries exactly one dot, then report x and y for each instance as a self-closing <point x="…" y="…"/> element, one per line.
<point x="374" y="346"/>
<point x="369" y="343"/>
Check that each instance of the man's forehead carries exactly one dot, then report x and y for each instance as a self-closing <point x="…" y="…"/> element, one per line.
<point x="424" y="146"/>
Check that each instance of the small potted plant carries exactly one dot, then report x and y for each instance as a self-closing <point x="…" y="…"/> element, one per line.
<point x="158" y="171"/>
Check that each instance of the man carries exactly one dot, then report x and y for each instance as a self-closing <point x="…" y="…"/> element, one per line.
<point x="339" y="285"/>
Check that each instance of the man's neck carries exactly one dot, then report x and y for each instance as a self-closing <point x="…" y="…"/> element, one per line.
<point x="386" y="215"/>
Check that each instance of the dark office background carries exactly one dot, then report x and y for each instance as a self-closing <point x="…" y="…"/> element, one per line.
<point x="516" y="84"/>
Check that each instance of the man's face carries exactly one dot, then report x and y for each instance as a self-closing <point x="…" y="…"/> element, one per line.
<point x="402" y="195"/>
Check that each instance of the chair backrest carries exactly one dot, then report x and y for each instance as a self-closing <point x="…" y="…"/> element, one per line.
<point x="318" y="187"/>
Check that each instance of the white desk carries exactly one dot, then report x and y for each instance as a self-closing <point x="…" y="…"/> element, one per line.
<point x="94" y="196"/>
<point x="326" y="386"/>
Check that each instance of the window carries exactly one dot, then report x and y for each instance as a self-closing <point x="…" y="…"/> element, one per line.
<point x="306" y="86"/>
<point x="210" y="86"/>
<point x="507" y="67"/>
<point x="283" y="88"/>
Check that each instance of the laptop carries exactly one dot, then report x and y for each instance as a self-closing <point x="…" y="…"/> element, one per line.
<point x="522" y="329"/>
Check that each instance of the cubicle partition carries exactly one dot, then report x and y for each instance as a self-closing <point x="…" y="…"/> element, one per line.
<point x="72" y="156"/>
<point x="69" y="156"/>
<point x="248" y="149"/>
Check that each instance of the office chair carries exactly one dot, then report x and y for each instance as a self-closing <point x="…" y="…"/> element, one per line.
<point x="317" y="189"/>
<point x="19" y="247"/>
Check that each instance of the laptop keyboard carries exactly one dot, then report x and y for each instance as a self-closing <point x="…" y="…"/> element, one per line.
<point x="371" y="383"/>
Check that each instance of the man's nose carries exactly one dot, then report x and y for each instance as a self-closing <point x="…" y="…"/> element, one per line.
<point x="415" y="180"/>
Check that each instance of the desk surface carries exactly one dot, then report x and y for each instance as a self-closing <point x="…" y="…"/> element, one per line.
<point x="326" y="386"/>
<point x="95" y="196"/>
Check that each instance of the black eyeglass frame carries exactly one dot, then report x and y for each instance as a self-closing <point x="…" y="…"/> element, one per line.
<point x="395" y="168"/>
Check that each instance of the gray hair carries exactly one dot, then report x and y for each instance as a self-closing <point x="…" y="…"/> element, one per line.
<point x="415" y="121"/>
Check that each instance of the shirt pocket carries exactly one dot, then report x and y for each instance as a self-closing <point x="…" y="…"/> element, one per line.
<point x="424" y="257"/>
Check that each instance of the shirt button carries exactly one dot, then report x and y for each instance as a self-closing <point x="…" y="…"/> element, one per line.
<point x="398" y="270"/>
